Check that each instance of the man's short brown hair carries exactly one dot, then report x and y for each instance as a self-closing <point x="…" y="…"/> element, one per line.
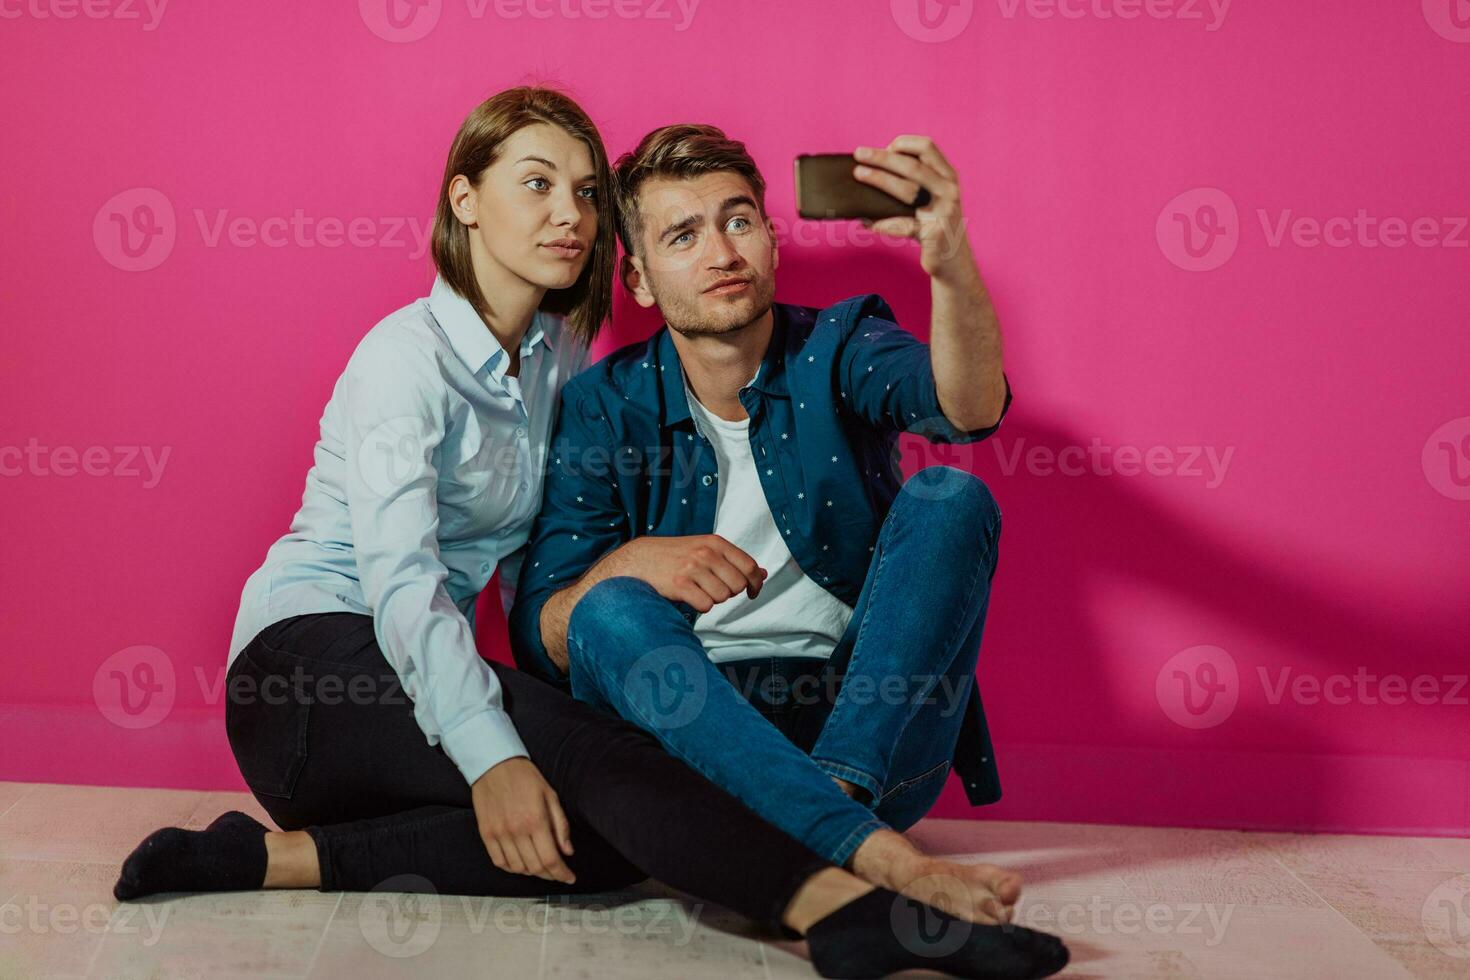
<point x="683" y="150"/>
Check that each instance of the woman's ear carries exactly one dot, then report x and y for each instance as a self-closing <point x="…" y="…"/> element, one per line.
<point x="631" y="272"/>
<point x="462" y="199"/>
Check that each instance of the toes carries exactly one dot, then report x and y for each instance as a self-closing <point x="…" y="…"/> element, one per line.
<point x="1005" y="884"/>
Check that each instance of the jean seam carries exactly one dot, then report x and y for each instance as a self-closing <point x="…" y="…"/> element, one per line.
<point x="913" y="781"/>
<point x="855" y="840"/>
<point x="859" y="777"/>
<point x="881" y="560"/>
<point x="899" y="519"/>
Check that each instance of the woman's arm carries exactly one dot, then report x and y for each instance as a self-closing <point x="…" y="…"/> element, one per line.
<point x="393" y="422"/>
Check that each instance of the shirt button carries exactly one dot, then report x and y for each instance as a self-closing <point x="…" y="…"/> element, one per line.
<point x="520" y="432"/>
<point x="484" y="566"/>
<point x="707" y="480"/>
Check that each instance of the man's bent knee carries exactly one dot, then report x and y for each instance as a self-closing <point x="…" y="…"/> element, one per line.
<point x="955" y="498"/>
<point x="610" y="613"/>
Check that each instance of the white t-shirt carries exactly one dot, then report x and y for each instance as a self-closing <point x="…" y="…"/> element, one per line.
<point x="793" y="616"/>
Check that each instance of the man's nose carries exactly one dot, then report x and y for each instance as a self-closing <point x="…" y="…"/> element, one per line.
<point x="723" y="254"/>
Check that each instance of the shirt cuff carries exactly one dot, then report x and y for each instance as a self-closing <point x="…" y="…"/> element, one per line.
<point x="481" y="742"/>
<point x="938" y="428"/>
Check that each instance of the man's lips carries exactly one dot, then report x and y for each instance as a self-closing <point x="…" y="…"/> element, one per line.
<point x="726" y="286"/>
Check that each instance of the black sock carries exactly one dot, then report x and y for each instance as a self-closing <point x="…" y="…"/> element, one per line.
<point x="884" y="932"/>
<point x="228" y="855"/>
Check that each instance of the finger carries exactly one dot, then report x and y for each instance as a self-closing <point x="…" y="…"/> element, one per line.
<point x="550" y="857"/>
<point x="732" y="577"/>
<point x="513" y="861"/>
<point x="711" y="584"/>
<point x="749" y="568"/>
<point x="560" y="824"/>
<point x="903" y="164"/>
<point x="901" y="227"/>
<point x="902" y="188"/>
<point x="923" y="148"/>
<point x="686" y="590"/>
<point x="530" y="858"/>
<point x="497" y="855"/>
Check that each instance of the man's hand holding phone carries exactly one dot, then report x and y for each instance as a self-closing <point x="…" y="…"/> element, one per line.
<point x="912" y="169"/>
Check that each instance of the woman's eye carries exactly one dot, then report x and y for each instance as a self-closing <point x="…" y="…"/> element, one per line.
<point x="590" y="193"/>
<point x="537" y="180"/>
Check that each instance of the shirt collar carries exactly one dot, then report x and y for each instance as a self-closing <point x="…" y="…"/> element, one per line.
<point x="471" y="339"/>
<point x="769" y="379"/>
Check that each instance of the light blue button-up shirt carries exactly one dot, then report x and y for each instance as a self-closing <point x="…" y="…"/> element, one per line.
<point x="427" y="475"/>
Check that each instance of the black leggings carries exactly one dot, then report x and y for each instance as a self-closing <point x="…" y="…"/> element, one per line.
<point x="326" y="740"/>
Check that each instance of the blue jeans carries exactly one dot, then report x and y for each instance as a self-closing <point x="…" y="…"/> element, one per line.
<point x="884" y="712"/>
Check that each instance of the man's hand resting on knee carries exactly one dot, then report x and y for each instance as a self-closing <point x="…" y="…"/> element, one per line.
<point x="699" y="569"/>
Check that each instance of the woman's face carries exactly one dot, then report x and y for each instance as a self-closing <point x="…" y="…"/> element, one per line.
<point x="535" y="211"/>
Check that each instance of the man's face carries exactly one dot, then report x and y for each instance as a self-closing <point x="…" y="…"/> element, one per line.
<point x="707" y="256"/>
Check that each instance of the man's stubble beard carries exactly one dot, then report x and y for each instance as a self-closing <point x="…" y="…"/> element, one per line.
<point x="686" y="320"/>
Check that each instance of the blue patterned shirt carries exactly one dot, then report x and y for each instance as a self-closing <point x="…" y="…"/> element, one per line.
<point x="835" y="389"/>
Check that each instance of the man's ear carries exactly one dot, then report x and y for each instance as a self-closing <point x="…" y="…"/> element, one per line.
<point x="775" y="244"/>
<point x="634" y="280"/>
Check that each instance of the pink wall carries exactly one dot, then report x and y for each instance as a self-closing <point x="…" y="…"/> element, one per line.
<point x="1287" y="411"/>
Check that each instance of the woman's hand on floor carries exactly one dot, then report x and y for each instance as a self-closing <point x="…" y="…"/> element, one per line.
<point x="521" y="821"/>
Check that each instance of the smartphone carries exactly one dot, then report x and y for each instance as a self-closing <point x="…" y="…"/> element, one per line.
<point x="826" y="190"/>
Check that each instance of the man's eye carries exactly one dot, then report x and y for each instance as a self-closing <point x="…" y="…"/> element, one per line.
<point x="687" y="234"/>
<point x="537" y="180"/>
<point x="742" y="223"/>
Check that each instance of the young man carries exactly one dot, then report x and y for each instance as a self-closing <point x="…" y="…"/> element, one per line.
<point x="723" y="520"/>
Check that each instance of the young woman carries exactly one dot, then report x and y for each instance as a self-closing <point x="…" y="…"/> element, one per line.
<point x="360" y="713"/>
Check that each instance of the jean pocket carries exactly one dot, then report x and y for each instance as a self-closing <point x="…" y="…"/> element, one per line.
<point x="266" y="711"/>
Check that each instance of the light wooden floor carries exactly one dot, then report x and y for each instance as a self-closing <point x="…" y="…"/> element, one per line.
<point x="1132" y="902"/>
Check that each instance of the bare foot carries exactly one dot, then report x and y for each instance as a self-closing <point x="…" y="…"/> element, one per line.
<point x="981" y="893"/>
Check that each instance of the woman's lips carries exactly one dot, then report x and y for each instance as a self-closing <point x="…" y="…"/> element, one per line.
<point x="564" y="251"/>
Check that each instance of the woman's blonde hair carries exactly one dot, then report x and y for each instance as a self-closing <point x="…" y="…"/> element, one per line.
<point x="587" y="302"/>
